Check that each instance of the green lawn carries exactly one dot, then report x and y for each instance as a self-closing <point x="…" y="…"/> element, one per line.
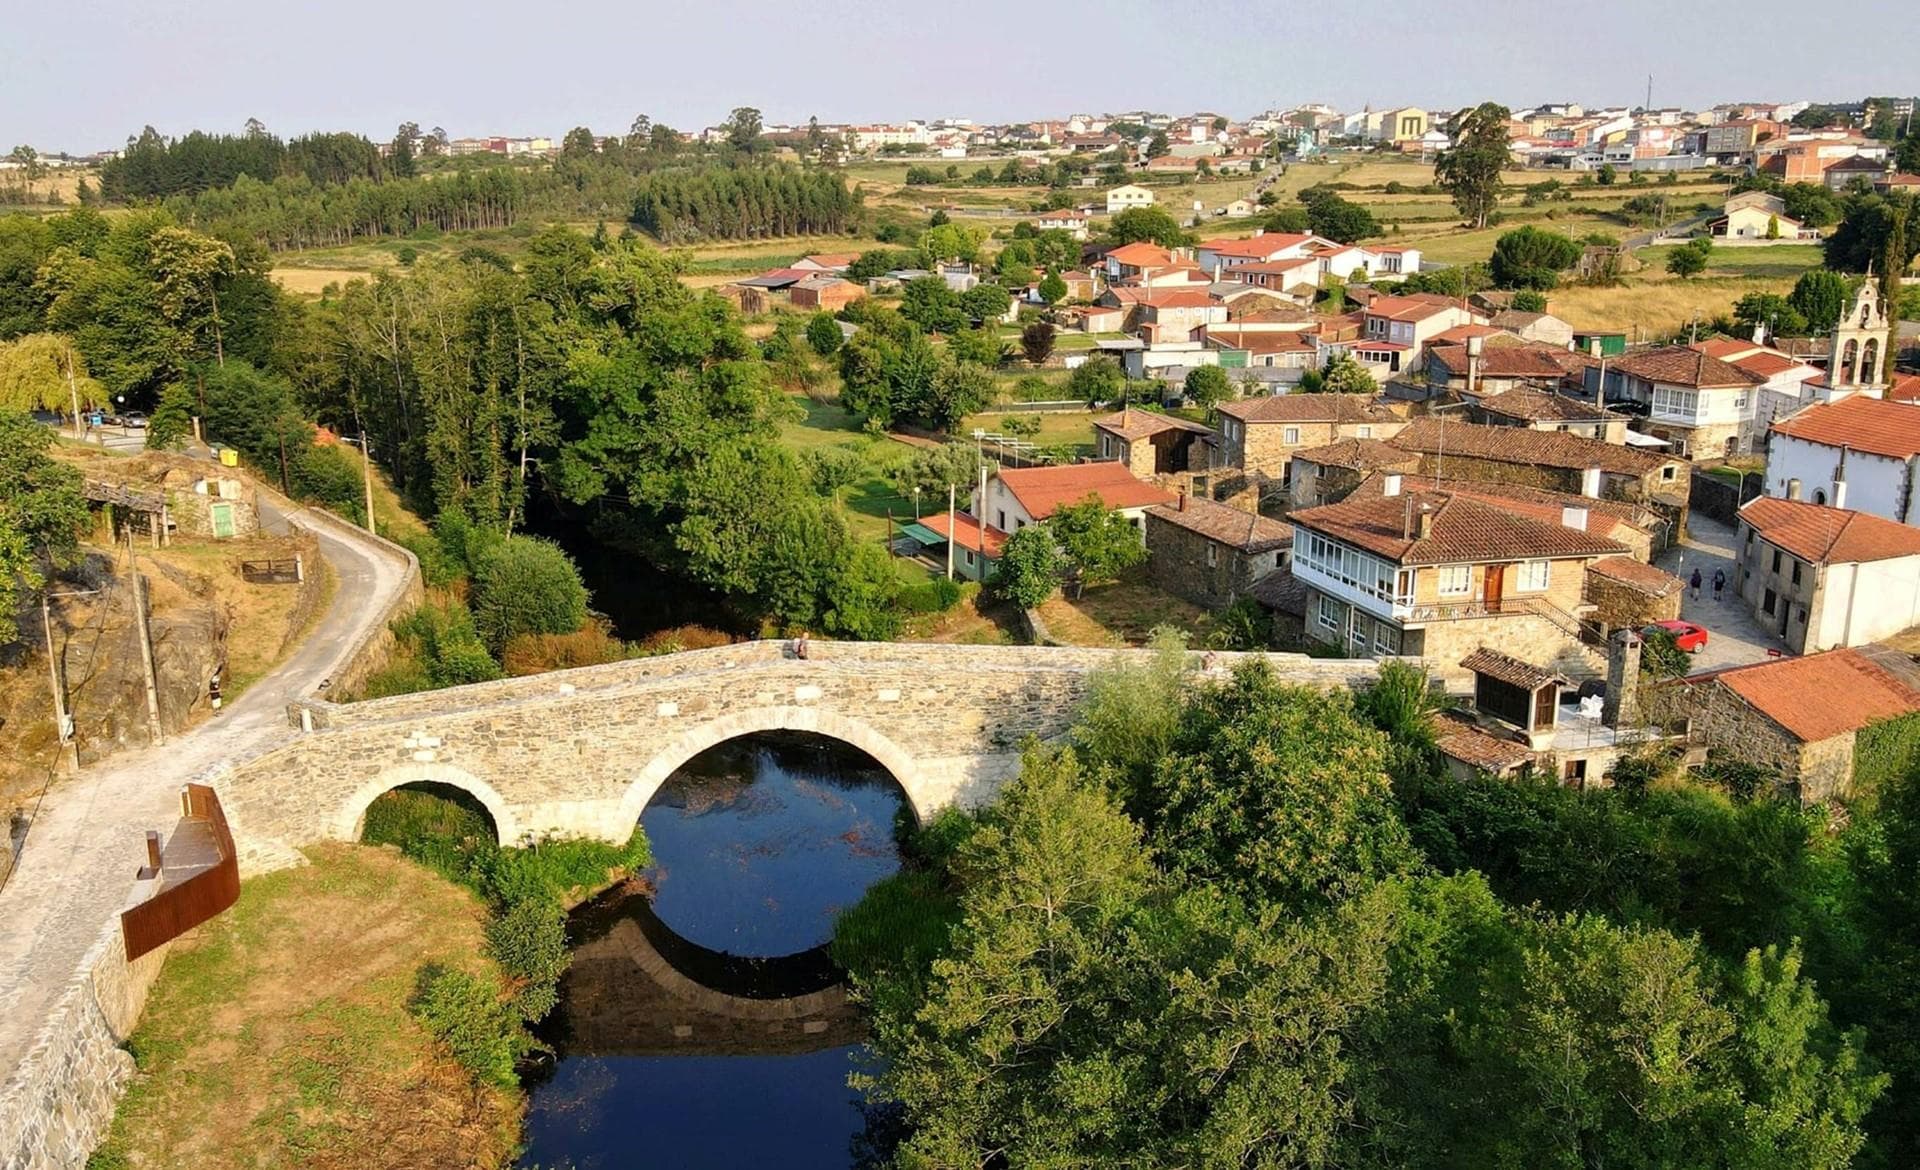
<point x="870" y="500"/>
<point x="1768" y="260"/>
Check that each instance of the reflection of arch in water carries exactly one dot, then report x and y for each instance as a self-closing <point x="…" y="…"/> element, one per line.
<point x="351" y="817"/>
<point x="898" y="762"/>
<point x="623" y="996"/>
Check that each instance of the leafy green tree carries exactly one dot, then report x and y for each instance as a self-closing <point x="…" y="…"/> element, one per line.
<point x="41" y="512"/>
<point x="823" y="334"/>
<point x="1097" y="380"/>
<point x="1031" y="566"/>
<point x="986" y="303"/>
<point x="861" y="595"/>
<point x="1278" y="793"/>
<point x="1157" y="146"/>
<point x="1207" y="387"/>
<point x="1769" y="310"/>
<point x="1606" y="175"/>
<point x="1530" y="258"/>
<point x="1292" y="220"/>
<point x="1053" y="290"/>
<point x="1822" y="298"/>
<point x="524" y="585"/>
<point x="1339" y="220"/>
<point x="1344" y="375"/>
<point x="1529" y="300"/>
<point x="978" y="347"/>
<point x="1861" y="237"/>
<point x="1690" y="259"/>
<point x="1154" y="225"/>
<point x="43" y="371"/>
<point x="1098" y="542"/>
<point x="1469" y="170"/>
<point x="959" y="389"/>
<point x="928" y="302"/>
<point x="743" y="130"/>
<point x="1036" y="342"/>
<point x="949" y="241"/>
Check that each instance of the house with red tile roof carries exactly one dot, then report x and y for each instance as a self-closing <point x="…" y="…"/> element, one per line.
<point x="1823" y="577"/>
<point x="975" y="551"/>
<point x="1219" y="257"/>
<point x="1705" y="407"/>
<point x="1017" y="497"/>
<point x="1438" y="573"/>
<point x="1787" y="716"/>
<point x="1860" y="452"/>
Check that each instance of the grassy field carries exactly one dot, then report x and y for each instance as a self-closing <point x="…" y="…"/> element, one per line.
<point x="872" y="506"/>
<point x="252" y="1054"/>
<point x="1057" y="427"/>
<point x="1122" y="614"/>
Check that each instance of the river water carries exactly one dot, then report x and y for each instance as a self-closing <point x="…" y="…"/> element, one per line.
<point x="701" y="1023"/>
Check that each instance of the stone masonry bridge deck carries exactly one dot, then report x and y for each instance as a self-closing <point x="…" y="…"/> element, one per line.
<point x="581" y="752"/>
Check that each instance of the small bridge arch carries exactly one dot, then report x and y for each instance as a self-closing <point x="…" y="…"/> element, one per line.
<point x="899" y="762"/>
<point x="351" y="817"/>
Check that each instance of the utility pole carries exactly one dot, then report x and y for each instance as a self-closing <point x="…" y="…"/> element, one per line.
<point x="366" y="472"/>
<point x="950" y="531"/>
<point x="62" y="723"/>
<point x="284" y="489"/>
<point x="145" y="635"/>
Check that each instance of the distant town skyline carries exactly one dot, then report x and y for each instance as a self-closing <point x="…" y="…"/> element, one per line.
<point x="84" y="76"/>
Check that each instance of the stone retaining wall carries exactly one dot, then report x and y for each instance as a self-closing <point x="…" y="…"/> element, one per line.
<point x="58" y="1105"/>
<point x="371" y="653"/>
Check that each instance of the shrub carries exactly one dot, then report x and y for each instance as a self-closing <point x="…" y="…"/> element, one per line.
<point x="554" y="871"/>
<point x="529" y="941"/>
<point x="823" y="334"/>
<point x="936" y="596"/>
<point x="466" y="1015"/>
<point x="332" y="478"/>
<point x="590" y="645"/>
<point x="443" y="638"/>
<point x="527" y="586"/>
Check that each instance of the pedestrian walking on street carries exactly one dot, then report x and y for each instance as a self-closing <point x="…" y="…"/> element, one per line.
<point x="1695" y="584"/>
<point x="1719" y="583"/>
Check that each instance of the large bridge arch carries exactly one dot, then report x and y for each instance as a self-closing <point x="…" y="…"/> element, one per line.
<point x="348" y="819"/>
<point x="899" y="762"/>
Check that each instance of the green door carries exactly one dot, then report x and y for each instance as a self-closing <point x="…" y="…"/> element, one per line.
<point x="223" y="521"/>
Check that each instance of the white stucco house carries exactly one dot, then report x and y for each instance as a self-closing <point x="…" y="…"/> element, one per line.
<point x="1860" y="453"/>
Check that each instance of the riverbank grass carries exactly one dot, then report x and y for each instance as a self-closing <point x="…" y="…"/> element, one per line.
<point x="279" y="1034"/>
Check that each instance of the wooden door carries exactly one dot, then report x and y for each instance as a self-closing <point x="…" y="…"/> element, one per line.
<point x="222" y="521"/>
<point x="1496" y="584"/>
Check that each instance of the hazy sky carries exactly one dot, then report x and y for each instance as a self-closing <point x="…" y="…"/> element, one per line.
<point x="81" y="75"/>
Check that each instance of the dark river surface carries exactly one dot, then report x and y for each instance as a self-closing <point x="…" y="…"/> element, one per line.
<point x="701" y="1023"/>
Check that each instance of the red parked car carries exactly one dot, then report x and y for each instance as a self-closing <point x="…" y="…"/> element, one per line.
<point x="1686" y="635"/>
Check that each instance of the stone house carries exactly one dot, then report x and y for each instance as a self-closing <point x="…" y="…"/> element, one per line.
<point x="1859" y="452"/>
<point x="1781" y="715"/>
<point x="1554" y="460"/>
<point x="1543" y="410"/>
<point x="1210" y="553"/>
<point x="1540" y="328"/>
<point x="1437" y="574"/>
<point x="1259" y="435"/>
<point x="825" y="292"/>
<point x="1151" y="444"/>
<point x="1825" y="577"/>
<point x="1625" y="593"/>
<point x="1330" y="473"/>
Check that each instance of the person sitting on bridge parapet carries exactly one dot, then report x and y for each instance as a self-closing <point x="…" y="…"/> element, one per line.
<point x="800" y="645"/>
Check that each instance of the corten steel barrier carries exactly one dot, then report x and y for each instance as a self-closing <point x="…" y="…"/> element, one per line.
<point x="199" y="875"/>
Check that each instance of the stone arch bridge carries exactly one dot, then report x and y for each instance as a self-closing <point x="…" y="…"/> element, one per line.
<point x="581" y="752"/>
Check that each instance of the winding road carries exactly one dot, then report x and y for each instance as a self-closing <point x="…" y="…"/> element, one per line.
<point x="77" y="865"/>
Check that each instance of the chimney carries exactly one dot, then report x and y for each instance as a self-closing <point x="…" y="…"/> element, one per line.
<point x="1390" y="484"/>
<point x="1839" y="493"/>
<point x="1181" y="505"/>
<point x="1793" y="489"/>
<point x="1593" y="348"/>
<point x="1572" y="517"/>
<point x="1426" y="521"/>
<point x="1590" y="483"/>
<point x="1259" y="231"/>
<point x="1623" y="680"/>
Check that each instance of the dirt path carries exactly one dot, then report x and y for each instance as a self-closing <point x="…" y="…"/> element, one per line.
<point x="77" y="865"/>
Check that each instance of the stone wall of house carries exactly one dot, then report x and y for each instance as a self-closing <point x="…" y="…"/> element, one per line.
<point x="1731" y="726"/>
<point x="192" y="511"/>
<point x="58" y="1104"/>
<point x="1524" y="636"/>
<point x="1177" y="563"/>
<point x="1617" y="604"/>
<point x="581" y="752"/>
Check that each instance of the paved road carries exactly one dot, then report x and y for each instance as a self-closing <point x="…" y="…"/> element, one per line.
<point x="1734" y="637"/>
<point x="77" y="866"/>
